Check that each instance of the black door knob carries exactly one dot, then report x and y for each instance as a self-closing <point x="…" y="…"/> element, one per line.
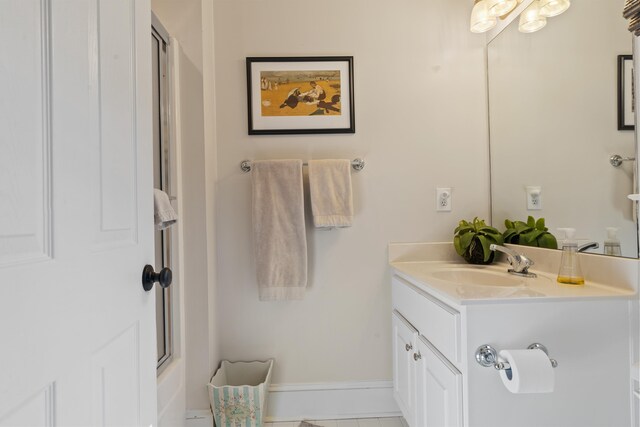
<point x="149" y="277"/>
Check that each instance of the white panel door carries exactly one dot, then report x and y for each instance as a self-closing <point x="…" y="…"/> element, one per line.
<point x="439" y="389"/>
<point x="77" y="330"/>
<point x="404" y="371"/>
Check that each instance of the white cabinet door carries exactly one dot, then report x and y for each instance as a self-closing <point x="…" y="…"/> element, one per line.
<point x="404" y="373"/>
<point x="439" y="389"/>
<point x="76" y="213"/>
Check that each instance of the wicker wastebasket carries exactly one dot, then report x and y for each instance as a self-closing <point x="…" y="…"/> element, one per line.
<point x="238" y="393"/>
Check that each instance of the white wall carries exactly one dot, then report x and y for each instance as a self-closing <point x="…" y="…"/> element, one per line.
<point x="189" y="21"/>
<point x="554" y="123"/>
<point x="420" y="107"/>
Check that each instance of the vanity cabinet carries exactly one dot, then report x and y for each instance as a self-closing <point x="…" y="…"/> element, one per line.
<point x="438" y="388"/>
<point x="404" y="367"/>
<point x="427" y="386"/>
<point x="437" y="382"/>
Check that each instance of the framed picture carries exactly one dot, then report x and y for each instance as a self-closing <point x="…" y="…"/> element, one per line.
<point x="300" y="95"/>
<point x="626" y="93"/>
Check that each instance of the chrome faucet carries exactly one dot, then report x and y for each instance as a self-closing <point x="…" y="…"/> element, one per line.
<point x="587" y="246"/>
<point x="519" y="263"/>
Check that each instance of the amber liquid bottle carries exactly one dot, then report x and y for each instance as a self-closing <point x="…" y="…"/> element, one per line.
<point x="570" y="272"/>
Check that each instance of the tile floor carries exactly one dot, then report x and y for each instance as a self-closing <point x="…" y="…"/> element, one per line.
<point x="364" y="422"/>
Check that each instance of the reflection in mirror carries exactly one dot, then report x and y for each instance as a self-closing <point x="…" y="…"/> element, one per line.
<point x="553" y="125"/>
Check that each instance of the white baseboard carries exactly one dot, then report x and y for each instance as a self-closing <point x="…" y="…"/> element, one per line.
<point x="199" y="418"/>
<point x="330" y="401"/>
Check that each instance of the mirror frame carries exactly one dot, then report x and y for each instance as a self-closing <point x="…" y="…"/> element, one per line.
<point x="636" y="65"/>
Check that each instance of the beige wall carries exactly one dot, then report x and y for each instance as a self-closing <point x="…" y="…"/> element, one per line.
<point x="420" y="105"/>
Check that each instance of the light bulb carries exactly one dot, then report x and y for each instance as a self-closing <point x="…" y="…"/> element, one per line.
<point x="500" y="7"/>
<point x="549" y="8"/>
<point x="480" y="20"/>
<point x="531" y="20"/>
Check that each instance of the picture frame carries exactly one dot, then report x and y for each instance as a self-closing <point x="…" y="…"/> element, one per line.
<point x="626" y="93"/>
<point x="300" y="95"/>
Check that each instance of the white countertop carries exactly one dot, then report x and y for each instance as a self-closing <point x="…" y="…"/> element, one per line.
<point x="425" y="274"/>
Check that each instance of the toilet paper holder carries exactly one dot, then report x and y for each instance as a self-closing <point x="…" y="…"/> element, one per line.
<point x="488" y="356"/>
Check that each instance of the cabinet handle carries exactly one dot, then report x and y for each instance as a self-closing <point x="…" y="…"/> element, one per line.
<point x="417" y="356"/>
<point x="408" y="347"/>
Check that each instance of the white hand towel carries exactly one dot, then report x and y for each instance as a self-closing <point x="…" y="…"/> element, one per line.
<point x="331" y="194"/>
<point x="163" y="214"/>
<point x="278" y="229"/>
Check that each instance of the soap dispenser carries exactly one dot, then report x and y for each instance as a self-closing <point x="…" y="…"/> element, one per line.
<point x="570" y="272"/>
<point x="612" y="244"/>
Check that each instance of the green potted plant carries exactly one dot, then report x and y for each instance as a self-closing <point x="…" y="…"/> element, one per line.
<point x="472" y="241"/>
<point x="530" y="233"/>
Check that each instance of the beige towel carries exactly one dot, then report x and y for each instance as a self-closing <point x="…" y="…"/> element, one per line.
<point x="278" y="229"/>
<point x="164" y="215"/>
<point x="331" y="196"/>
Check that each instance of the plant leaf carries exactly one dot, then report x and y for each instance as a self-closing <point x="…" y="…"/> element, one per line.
<point x="488" y="230"/>
<point x="514" y="239"/>
<point x="531" y="222"/>
<point x="479" y="224"/>
<point x="463" y="229"/>
<point x="465" y="241"/>
<point x="548" y="241"/>
<point x="456" y="244"/>
<point x="531" y="238"/>
<point x="508" y="234"/>
<point x="485" y="247"/>
<point x="540" y="224"/>
<point x="495" y="238"/>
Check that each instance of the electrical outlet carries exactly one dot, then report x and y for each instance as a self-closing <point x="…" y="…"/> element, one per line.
<point x="443" y="199"/>
<point x="534" y="198"/>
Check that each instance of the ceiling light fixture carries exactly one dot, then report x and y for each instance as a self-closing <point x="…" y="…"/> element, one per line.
<point x="531" y="20"/>
<point x="549" y="8"/>
<point x="481" y="21"/>
<point x="500" y="7"/>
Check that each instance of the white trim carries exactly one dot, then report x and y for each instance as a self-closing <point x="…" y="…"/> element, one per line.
<point x="199" y="418"/>
<point x="330" y="401"/>
<point x="171" y="382"/>
<point x="156" y="24"/>
<point x="211" y="178"/>
<point x="177" y="293"/>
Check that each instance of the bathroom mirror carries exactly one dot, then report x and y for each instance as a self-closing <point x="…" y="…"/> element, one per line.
<point x="553" y="125"/>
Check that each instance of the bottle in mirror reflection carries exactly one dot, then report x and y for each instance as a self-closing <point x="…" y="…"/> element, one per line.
<point x="612" y="244"/>
<point x="570" y="272"/>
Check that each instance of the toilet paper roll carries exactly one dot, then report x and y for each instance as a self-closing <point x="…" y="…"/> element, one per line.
<point x="531" y="371"/>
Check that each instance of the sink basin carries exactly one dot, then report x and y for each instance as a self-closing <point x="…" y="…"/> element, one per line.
<point x="477" y="277"/>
